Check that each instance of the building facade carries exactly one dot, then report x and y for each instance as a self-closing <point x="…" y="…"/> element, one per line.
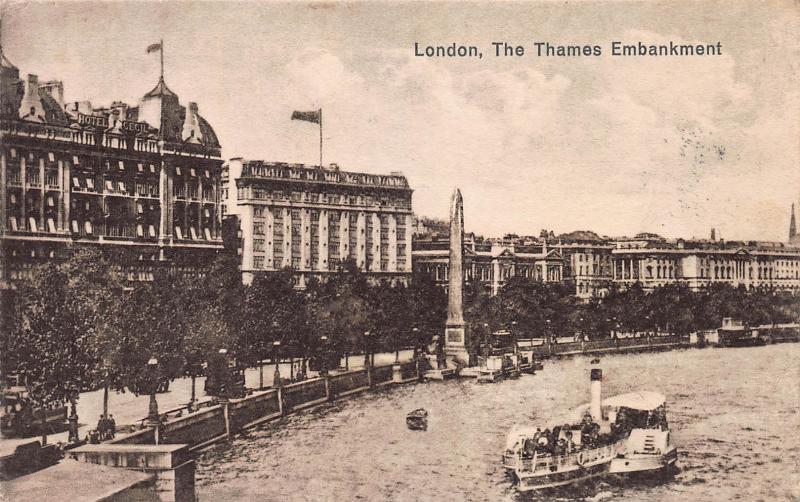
<point x="699" y="264"/>
<point x="310" y="219"/>
<point x="587" y="266"/>
<point x="141" y="182"/>
<point x="490" y="264"/>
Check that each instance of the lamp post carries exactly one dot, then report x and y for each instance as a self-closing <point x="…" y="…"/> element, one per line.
<point x="152" y="416"/>
<point x="514" y="334"/>
<point x="323" y="369"/>
<point x="547" y="331"/>
<point x="276" y="377"/>
<point x="366" y="349"/>
<point x="580" y="328"/>
<point x="224" y="391"/>
<point x="73" y="417"/>
<point x="415" y="337"/>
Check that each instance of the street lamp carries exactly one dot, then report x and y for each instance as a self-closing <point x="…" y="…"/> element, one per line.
<point x="415" y="336"/>
<point x="514" y="334"/>
<point x="224" y="391"/>
<point x="152" y="416"/>
<point x="323" y="369"/>
<point x="366" y="350"/>
<point x="276" y="378"/>
<point x="547" y="329"/>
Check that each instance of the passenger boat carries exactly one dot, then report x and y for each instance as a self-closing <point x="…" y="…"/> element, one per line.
<point x="417" y="420"/>
<point x="623" y="434"/>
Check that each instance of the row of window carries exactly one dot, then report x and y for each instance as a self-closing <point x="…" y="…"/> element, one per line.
<point x="321" y="197"/>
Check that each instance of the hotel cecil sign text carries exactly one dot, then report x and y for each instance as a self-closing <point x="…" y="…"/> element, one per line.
<point x="556" y="50"/>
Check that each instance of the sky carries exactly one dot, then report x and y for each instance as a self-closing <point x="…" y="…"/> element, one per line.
<point x="619" y="146"/>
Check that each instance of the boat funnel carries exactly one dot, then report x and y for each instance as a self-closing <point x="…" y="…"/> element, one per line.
<point x="595" y="389"/>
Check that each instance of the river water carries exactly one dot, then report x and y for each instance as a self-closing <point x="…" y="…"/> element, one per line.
<point x="733" y="412"/>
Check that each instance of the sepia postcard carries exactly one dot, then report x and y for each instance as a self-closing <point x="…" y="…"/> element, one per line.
<point x="400" y="250"/>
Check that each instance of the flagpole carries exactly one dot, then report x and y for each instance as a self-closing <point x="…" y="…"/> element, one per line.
<point x="320" y="138"/>
<point x="162" y="59"/>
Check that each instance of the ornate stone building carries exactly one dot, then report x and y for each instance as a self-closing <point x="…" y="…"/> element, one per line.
<point x="310" y="219"/>
<point x="699" y="263"/>
<point x="140" y="181"/>
<point x="490" y="263"/>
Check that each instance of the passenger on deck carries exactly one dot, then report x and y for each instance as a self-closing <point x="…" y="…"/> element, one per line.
<point x="528" y="448"/>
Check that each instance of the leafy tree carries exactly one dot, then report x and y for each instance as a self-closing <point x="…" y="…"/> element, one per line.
<point x="59" y="319"/>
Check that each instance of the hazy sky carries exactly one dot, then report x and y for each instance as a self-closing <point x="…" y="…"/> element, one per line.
<point x="616" y="145"/>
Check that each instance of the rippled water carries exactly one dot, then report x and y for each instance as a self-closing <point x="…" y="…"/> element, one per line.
<point x="733" y="412"/>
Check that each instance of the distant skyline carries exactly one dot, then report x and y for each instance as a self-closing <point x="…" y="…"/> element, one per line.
<point x="673" y="146"/>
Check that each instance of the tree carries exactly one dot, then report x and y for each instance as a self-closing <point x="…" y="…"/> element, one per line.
<point x="58" y="322"/>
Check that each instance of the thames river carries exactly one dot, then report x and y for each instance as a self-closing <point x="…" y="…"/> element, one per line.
<point x="733" y="412"/>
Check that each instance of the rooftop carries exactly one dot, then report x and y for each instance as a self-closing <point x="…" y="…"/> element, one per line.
<point x="258" y="169"/>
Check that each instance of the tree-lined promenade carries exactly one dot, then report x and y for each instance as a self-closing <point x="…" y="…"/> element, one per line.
<point x="531" y="309"/>
<point x="77" y="326"/>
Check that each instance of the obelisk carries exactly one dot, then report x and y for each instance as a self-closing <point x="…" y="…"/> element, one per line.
<point x="454" y="340"/>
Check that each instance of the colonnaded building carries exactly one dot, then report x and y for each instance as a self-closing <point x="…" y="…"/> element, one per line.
<point x="489" y="263"/>
<point x="140" y="181"/>
<point x="311" y="218"/>
<point x="592" y="264"/>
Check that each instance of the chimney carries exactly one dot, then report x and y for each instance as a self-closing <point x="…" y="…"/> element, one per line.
<point x="30" y="107"/>
<point x="596" y="391"/>
<point x="191" y="125"/>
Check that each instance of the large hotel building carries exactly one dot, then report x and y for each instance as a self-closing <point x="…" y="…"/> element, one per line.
<point x="310" y="219"/>
<point x="141" y="182"/>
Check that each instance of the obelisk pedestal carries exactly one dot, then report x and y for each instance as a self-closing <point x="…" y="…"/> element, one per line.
<point x="454" y="334"/>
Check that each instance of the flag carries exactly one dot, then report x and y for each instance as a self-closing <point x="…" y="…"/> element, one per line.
<point x="314" y="116"/>
<point x="153" y="48"/>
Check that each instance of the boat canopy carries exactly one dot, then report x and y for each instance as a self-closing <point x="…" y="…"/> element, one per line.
<point x="642" y="400"/>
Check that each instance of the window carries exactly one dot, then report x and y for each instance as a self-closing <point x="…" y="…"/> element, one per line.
<point x="13" y="222"/>
<point x="258" y="262"/>
<point x="32" y="223"/>
<point x="90" y="183"/>
<point x="151" y="230"/>
<point x="207" y="233"/>
<point x="140" y="167"/>
<point x="208" y="174"/>
<point x="192" y="172"/>
<point x="193" y="232"/>
<point x="51" y="157"/>
<point x="12" y="198"/>
<point x="258" y="244"/>
<point x="75" y="160"/>
<point x="139" y="230"/>
<point x="152" y="168"/>
<point x="109" y="185"/>
<point x="139" y="208"/>
<point x="50" y="202"/>
<point x="75" y="228"/>
<point x="76" y="182"/>
<point x="121" y="165"/>
<point x="178" y="171"/>
<point x="88" y="227"/>
<point x="121" y="185"/>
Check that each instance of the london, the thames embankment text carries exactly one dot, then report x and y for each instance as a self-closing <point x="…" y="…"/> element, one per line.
<point x="548" y="49"/>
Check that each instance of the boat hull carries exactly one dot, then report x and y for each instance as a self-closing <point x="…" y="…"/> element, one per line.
<point x="644" y="462"/>
<point x="561" y="478"/>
